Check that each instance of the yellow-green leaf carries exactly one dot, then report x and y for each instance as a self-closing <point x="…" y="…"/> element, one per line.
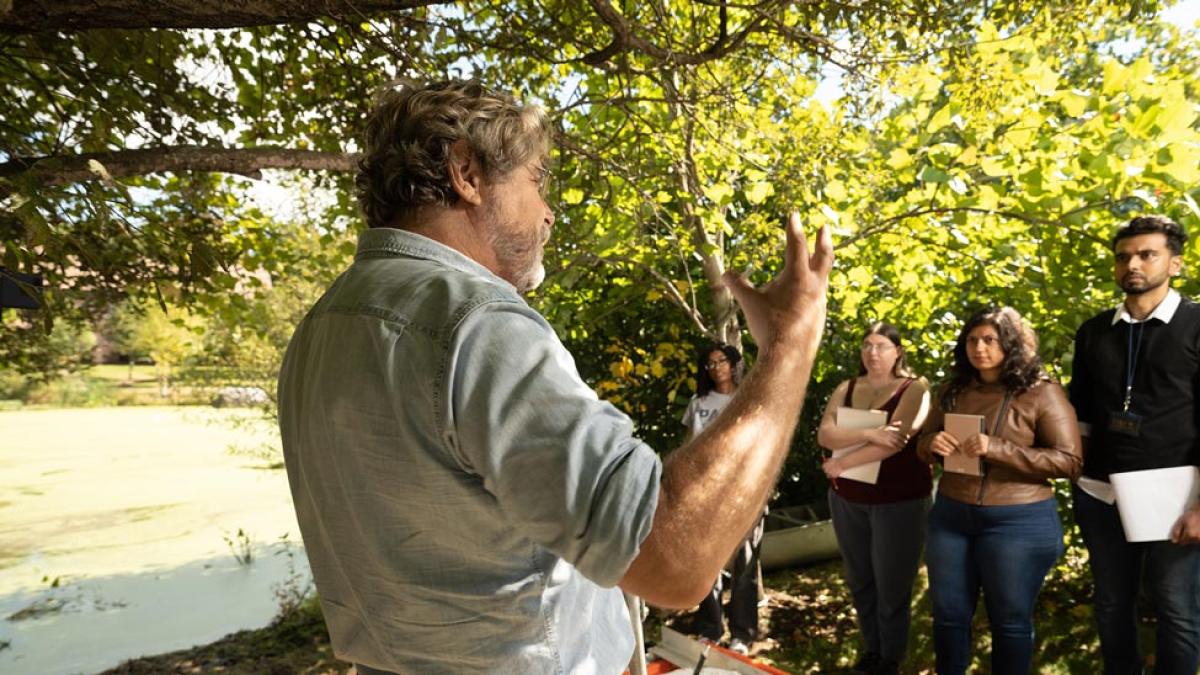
<point x="899" y="158"/>
<point x="758" y="192"/>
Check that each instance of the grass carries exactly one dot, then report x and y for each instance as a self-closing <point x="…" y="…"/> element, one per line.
<point x="809" y="623"/>
<point x="106" y="385"/>
<point x="143" y="375"/>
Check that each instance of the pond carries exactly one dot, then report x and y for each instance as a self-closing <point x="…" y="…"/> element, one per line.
<point x="133" y="531"/>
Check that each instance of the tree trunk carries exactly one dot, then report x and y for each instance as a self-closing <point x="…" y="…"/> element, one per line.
<point x="724" y="326"/>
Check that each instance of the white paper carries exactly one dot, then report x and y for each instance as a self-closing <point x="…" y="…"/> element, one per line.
<point x="1151" y="501"/>
<point x="1098" y="489"/>
<point x="962" y="427"/>
<point x="854" y="418"/>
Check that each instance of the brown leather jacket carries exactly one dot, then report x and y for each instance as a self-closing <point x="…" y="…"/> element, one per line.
<point x="1038" y="440"/>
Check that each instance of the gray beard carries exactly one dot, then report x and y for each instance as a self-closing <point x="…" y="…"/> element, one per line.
<point x="521" y="261"/>
<point x="534" y="278"/>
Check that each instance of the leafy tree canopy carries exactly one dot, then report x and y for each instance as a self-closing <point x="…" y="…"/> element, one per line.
<point x="980" y="152"/>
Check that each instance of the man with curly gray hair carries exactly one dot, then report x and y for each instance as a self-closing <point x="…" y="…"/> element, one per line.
<point x="467" y="503"/>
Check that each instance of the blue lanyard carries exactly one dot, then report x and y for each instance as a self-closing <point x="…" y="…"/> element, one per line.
<point x="1131" y="362"/>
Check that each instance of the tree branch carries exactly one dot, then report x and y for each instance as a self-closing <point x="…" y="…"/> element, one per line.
<point x="625" y="37"/>
<point x="37" y="16"/>
<point x="916" y="212"/>
<point x="672" y="292"/>
<point x="65" y="169"/>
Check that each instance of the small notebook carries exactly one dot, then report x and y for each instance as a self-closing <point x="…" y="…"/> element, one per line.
<point x="962" y="427"/>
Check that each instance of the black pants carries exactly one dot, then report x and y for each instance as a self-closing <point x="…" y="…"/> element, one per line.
<point x="1172" y="579"/>
<point x="743" y="595"/>
<point x="881" y="548"/>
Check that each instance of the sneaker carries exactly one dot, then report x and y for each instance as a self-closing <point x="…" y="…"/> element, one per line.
<point x="739" y="647"/>
<point x="867" y="663"/>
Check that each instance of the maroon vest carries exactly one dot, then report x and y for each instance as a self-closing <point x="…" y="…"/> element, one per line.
<point x="902" y="476"/>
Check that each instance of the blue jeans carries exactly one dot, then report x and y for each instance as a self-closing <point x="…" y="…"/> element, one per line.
<point x="1172" y="575"/>
<point x="881" y="548"/>
<point x="1004" y="550"/>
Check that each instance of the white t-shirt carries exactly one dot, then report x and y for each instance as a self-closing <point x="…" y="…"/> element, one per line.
<point x="702" y="410"/>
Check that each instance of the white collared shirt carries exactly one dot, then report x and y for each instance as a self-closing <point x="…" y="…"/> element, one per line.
<point x="1164" y="312"/>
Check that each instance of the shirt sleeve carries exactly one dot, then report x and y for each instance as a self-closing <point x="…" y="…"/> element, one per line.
<point x="1057" y="451"/>
<point x="563" y="466"/>
<point x="933" y="425"/>
<point x="1080" y="388"/>
<point x="689" y="415"/>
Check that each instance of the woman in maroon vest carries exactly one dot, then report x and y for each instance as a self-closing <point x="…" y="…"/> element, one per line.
<point x="879" y="517"/>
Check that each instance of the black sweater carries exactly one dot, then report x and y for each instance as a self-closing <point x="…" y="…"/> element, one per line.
<point x="1164" y="391"/>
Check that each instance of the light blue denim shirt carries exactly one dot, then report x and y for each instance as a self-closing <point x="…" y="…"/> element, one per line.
<point x="467" y="502"/>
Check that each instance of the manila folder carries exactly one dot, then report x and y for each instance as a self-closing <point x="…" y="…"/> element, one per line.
<point x="854" y="418"/>
<point x="962" y="427"/>
<point x="1151" y="501"/>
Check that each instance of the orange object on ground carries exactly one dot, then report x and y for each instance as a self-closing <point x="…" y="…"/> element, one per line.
<point x="663" y="666"/>
<point x="660" y="667"/>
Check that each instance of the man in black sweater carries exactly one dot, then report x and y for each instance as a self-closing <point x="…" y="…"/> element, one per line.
<point x="1134" y="388"/>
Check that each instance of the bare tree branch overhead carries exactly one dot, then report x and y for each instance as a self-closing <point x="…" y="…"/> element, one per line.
<point x="60" y="170"/>
<point x="29" y="16"/>
<point x="626" y="37"/>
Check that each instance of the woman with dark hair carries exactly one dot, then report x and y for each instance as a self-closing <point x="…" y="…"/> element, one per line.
<point x="880" y="525"/>
<point x="718" y="372"/>
<point x="998" y="531"/>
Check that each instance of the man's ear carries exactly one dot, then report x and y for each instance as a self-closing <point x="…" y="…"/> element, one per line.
<point x="1176" y="265"/>
<point x="466" y="176"/>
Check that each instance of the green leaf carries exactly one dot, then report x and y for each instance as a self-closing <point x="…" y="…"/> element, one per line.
<point x="993" y="166"/>
<point x="1175" y="120"/>
<point x="932" y="174"/>
<point x="899" y="158"/>
<point x="835" y="190"/>
<point x="718" y="193"/>
<point x="939" y="119"/>
<point x="1115" y="77"/>
<point x="757" y="193"/>
<point x="1073" y="104"/>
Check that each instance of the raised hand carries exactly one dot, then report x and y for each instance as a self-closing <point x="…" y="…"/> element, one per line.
<point x="789" y="310"/>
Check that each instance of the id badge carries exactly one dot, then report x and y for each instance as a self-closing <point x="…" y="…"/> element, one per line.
<point x="1125" y="423"/>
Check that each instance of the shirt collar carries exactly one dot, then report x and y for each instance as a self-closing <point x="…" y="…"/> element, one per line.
<point x="1164" y="311"/>
<point x="379" y="242"/>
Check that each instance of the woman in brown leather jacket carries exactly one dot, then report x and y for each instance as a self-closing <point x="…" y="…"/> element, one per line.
<point x="998" y="531"/>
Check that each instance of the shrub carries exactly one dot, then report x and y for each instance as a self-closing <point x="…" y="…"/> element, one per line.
<point x="13" y="385"/>
<point x="73" y="391"/>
